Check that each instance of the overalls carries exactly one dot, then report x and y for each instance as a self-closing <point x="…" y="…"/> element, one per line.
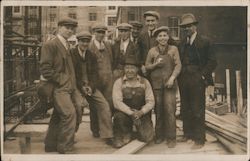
<point x="165" y="98"/>
<point x="134" y="97"/>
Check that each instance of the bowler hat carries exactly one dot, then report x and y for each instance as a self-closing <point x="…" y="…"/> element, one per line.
<point x="160" y="29"/>
<point x="152" y="13"/>
<point x="136" y="24"/>
<point x="99" y="27"/>
<point x="84" y="35"/>
<point x="132" y="60"/>
<point x="187" y="19"/>
<point x="124" y="26"/>
<point x="67" y="21"/>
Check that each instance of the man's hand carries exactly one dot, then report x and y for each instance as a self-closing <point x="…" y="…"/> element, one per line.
<point x="144" y="70"/>
<point x="137" y="114"/>
<point x="87" y="90"/>
<point x="170" y="82"/>
<point x="159" y="63"/>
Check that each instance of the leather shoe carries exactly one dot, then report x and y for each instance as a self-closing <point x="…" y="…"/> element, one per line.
<point x="184" y="139"/>
<point x="96" y="135"/>
<point x="197" y="146"/>
<point x="158" y="140"/>
<point x="109" y="141"/>
<point x="171" y="143"/>
<point x="50" y="149"/>
<point x="118" y="143"/>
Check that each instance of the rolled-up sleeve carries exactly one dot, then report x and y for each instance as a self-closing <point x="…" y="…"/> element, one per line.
<point x="149" y="98"/>
<point x="118" y="98"/>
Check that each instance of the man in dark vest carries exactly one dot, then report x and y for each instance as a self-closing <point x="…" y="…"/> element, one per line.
<point x="133" y="101"/>
<point x="87" y="77"/>
<point x="198" y="62"/>
<point x="136" y="31"/>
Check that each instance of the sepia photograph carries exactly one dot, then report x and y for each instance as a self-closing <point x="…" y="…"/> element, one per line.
<point x="149" y="80"/>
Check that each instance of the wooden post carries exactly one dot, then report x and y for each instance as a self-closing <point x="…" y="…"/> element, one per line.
<point x="228" y="90"/>
<point x="239" y="93"/>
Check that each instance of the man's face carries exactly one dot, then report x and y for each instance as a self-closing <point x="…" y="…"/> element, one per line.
<point x="66" y="31"/>
<point x="83" y="44"/>
<point x="162" y="38"/>
<point x="136" y="31"/>
<point x="130" y="71"/>
<point x="151" y="22"/>
<point x="99" y="35"/>
<point x="189" y="29"/>
<point x="124" y="34"/>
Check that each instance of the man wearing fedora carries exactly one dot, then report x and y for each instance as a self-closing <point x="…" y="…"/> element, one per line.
<point x="57" y="68"/>
<point x="122" y="48"/>
<point x="146" y="40"/>
<point x="85" y="64"/>
<point x="198" y="62"/>
<point x="103" y="52"/>
<point x="133" y="101"/>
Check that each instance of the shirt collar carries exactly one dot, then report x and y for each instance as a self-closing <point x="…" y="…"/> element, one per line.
<point x="82" y="53"/>
<point x="63" y="41"/>
<point x="125" y="78"/>
<point x="98" y="44"/>
<point x="192" y="38"/>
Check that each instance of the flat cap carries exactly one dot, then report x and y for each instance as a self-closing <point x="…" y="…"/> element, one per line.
<point x="83" y="35"/>
<point x="99" y="27"/>
<point x="136" y="24"/>
<point x="67" y="21"/>
<point x="188" y="19"/>
<point x="152" y="13"/>
<point x="124" y="26"/>
<point x="160" y="29"/>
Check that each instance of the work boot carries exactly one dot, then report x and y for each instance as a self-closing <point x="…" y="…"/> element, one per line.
<point x="158" y="140"/>
<point x="197" y="146"/>
<point x="171" y="143"/>
<point x="126" y="139"/>
<point x="109" y="141"/>
<point x="118" y="143"/>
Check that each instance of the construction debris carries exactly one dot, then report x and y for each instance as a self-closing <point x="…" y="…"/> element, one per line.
<point x="228" y="132"/>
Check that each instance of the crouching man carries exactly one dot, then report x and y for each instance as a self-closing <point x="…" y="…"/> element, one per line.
<point x="133" y="101"/>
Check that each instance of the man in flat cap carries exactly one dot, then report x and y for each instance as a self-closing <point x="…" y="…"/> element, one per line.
<point x="86" y="70"/>
<point x="123" y="48"/>
<point x="198" y="62"/>
<point x="57" y="68"/>
<point x="147" y="40"/>
<point x="136" y="31"/>
<point x="103" y="52"/>
<point x="133" y="101"/>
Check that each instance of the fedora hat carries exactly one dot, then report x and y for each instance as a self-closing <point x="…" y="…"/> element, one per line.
<point x="188" y="19"/>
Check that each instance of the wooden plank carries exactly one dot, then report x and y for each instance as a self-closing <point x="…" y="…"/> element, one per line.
<point x="228" y="89"/>
<point x="29" y="129"/>
<point x="239" y="93"/>
<point x="131" y="147"/>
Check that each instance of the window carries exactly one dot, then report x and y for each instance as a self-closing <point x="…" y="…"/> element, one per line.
<point x="92" y="16"/>
<point x="173" y="23"/>
<point x="72" y="6"/>
<point x="52" y="17"/>
<point x="52" y="6"/>
<point x="111" y="21"/>
<point x="131" y="16"/>
<point x="72" y="15"/>
<point x="17" y="9"/>
<point x="33" y="7"/>
<point x="111" y="7"/>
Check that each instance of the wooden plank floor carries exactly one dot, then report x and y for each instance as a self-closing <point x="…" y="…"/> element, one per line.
<point x="86" y="144"/>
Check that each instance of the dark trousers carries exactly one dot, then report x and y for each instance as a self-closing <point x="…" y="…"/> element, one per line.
<point x="192" y="92"/>
<point x="63" y="121"/>
<point x="123" y="125"/>
<point x="165" y="107"/>
<point x="100" y="115"/>
<point x="106" y="91"/>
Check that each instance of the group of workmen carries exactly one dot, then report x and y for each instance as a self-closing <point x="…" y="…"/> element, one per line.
<point x="124" y="81"/>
